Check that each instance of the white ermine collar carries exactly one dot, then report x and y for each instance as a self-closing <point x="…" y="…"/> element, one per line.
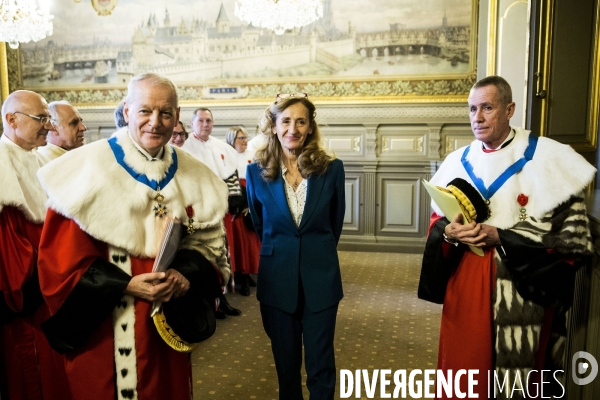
<point x="51" y="151"/>
<point x="555" y="173"/>
<point x="18" y="180"/>
<point x="89" y="186"/>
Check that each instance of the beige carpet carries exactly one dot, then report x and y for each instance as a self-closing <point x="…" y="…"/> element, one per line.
<point x="381" y="325"/>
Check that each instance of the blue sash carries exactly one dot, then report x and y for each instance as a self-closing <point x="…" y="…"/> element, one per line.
<point x="518" y="165"/>
<point x="142" y="178"/>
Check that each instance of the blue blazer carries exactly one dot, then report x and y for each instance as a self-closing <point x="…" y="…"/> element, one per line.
<point x="308" y="252"/>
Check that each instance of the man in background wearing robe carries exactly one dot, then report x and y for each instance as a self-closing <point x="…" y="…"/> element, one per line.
<point x="67" y="132"/>
<point x="33" y="369"/>
<point x="221" y="158"/>
<point x="109" y="203"/>
<point x="504" y="313"/>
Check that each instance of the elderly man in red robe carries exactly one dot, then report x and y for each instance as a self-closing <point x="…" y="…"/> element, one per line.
<point x="504" y="312"/>
<point x="32" y="368"/>
<point x="108" y="204"/>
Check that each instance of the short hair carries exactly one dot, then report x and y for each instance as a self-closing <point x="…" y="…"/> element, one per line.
<point x="184" y="130"/>
<point x="155" y="80"/>
<point x="232" y="134"/>
<point x="14" y="100"/>
<point x="504" y="90"/>
<point x="119" y="117"/>
<point x="197" y="110"/>
<point x="54" y="112"/>
<point x="313" y="160"/>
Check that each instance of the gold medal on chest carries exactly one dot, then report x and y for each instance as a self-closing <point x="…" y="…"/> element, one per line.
<point x="160" y="210"/>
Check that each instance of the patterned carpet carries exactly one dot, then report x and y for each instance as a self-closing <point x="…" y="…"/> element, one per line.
<point x="381" y="325"/>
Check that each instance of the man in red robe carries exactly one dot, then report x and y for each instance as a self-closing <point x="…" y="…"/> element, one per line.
<point x="504" y="312"/>
<point x="31" y="366"/>
<point x="109" y="203"/>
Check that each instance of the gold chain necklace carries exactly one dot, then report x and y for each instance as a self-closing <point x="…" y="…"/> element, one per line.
<point x="295" y="178"/>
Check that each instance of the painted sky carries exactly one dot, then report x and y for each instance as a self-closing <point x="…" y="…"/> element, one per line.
<point x="73" y="20"/>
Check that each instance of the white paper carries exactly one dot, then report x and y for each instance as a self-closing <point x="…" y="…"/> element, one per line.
<point x="166" y="253"/>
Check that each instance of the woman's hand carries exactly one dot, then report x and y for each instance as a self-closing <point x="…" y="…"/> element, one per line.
<point x="158" y="286"/>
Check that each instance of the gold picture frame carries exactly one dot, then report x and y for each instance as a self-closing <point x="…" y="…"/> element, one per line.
<point x="385" y="87"/>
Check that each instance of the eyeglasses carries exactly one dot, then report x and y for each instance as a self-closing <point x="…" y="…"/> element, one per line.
<point x="242" y="138"/>
<point x="178" y="134"/>
<point x="282" y="96"/>
<point x="43" y="120"/>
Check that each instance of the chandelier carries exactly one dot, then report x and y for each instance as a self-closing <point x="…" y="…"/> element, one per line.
<point x="21" y="21"/>
<point x="279" y="15"/>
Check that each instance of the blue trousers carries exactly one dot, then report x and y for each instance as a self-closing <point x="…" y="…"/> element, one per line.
<point x="287" y="332"/>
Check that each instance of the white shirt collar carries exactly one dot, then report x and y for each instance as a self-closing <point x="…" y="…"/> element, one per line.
<point x="510" y="137"/>
<point x="159" y="156"/>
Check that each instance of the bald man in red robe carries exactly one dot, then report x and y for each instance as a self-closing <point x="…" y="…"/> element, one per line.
<point x="32" y="369"/>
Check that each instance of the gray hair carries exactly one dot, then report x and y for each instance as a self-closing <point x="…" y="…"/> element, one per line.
<point x="197" y="110"/>
<point x="155" y="80"/>
<point x="54" y="112"/>
<point x="504" y="90"/>
<point x="232" y="133"/>
<point x="119" y="117"/>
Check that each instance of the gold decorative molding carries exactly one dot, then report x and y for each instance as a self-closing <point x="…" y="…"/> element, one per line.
<point x="544" y="60"/>
<point x="356" y="141"/>
<point x="456" y="142"/>
<point x="409" y="144"/>
<point x="592" y="133"/>
<point x="344" y="144"/>
<point x="492" y="37"/>
<point x="3" y="72"/>
<point x="103" y="7"/>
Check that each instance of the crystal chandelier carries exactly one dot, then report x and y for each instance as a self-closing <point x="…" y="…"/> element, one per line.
<point x="21" y="21"/>
<point x="279" y="15"/>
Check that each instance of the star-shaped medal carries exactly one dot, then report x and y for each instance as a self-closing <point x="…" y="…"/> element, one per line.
<point x="160" y="210"/>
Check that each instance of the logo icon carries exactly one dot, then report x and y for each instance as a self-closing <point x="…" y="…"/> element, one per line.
<point x="582" y="363"/>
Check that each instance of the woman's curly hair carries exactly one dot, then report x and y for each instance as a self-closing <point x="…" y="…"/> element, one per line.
<point x="313" y="160"/>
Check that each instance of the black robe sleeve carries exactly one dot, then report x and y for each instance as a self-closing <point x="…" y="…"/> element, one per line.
<point x="91" y="301"/>
<point x="437" y="267"/>
<point x="541" y="277"/>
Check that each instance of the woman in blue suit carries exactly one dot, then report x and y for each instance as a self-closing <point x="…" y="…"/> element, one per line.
<point x="296" y="198"/>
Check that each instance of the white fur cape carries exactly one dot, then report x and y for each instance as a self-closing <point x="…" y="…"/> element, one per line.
<point x="19" y="186"/>
<point x="90" y="187"/>
<point x="555" y="173"/>
<point x="51" y="151"/>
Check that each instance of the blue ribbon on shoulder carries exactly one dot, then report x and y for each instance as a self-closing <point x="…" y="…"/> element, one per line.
<point x="517" y="166"/>
<point x="142" y="178"/>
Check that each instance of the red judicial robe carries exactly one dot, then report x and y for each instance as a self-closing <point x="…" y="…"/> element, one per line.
<point x="19" y="241"/>
<point x="504" y="312"/>
<point x="244" y="244"/>
<point x="162" y="373"/>
<point x="100" y="230"/>
<point x="30" y="368"/>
